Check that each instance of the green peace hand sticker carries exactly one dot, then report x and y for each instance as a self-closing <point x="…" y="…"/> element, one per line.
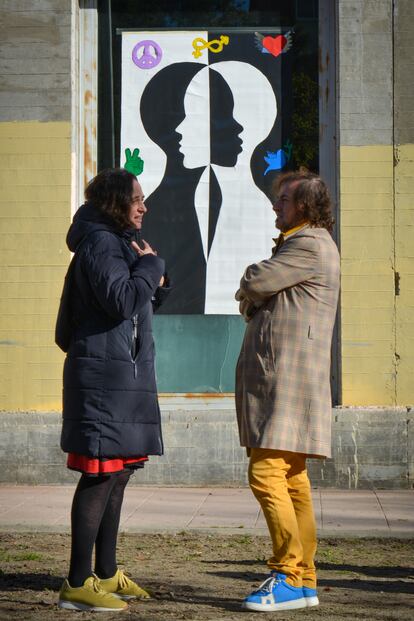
<point x="134" y="164"/>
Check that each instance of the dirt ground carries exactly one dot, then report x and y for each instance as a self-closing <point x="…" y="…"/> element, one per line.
<point x="205" y="577"/>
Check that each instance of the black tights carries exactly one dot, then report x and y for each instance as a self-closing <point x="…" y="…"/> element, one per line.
<point x="96" y="511"/>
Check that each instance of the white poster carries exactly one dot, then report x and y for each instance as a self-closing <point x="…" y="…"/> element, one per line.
<point x="200" y="125"/>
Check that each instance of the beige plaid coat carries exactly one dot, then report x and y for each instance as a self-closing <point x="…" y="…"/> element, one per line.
<point x="283" y="395"/>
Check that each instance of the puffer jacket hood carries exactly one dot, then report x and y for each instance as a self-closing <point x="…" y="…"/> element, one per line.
<point x="89" y="219"/>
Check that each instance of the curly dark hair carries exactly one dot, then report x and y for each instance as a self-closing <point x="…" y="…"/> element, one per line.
<point x="111" y="192"/>
<point x="313" y="194"/>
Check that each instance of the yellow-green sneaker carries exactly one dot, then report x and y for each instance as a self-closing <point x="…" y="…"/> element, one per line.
<point x="123" y="587"/>
<point x="90" y="596"/>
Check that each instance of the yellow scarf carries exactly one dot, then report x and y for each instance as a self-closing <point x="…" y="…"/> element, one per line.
<point x="282" y="237"/>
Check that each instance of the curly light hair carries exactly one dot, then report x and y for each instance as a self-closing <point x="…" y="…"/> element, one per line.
<point x="312" y="193"/>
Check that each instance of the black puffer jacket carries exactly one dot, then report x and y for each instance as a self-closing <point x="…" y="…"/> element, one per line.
<point x="110" y="405"/>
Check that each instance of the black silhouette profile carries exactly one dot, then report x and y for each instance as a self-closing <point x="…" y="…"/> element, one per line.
<point x="225" y="144"/>
<point x="171" y="224"/>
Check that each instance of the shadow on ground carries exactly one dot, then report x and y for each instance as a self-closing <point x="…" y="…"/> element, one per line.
<point x="205" y="577"/>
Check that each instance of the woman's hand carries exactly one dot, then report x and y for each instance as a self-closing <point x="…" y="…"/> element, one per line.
<point x="141" y="251"/>
<point x="146" y="250"/>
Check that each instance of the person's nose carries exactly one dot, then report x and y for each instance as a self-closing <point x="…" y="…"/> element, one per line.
<point x="142" y="208"/>
<point x="178" y="129"/>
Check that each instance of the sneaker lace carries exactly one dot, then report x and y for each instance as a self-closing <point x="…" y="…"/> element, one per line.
<point x="96" y="585"/>
<point x="267" y="585"/>
<point x="123" y="580"/>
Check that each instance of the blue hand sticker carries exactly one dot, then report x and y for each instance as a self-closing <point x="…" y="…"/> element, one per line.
<point x="278" y="159"/>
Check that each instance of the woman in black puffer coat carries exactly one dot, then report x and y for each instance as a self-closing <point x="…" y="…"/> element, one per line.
<point x="111" y="417"/>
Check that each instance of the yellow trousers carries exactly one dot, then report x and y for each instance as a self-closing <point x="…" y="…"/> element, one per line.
<point x="279" y="481"/>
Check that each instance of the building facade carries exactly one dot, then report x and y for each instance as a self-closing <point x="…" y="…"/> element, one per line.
<point x="60" y="123"/>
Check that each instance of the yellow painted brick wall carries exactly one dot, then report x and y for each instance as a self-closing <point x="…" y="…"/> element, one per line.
<point x="404" y="264"/>
<point x="367" y="298"/>
<point x="35" y="214"/>
<point x="35" y="178"/>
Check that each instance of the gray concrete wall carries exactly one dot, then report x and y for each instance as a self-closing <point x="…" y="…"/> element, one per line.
<point x="372" y="447"/>
<point x="365" y="72"/>
<point x="376" y="59"/>
<point x="403" y="71"/>
<point x="35" y="58"/>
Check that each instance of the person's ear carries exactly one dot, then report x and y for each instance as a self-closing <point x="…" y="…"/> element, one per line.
<point x="301" y="208"/>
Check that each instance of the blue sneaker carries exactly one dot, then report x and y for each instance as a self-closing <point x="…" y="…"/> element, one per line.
<point x="311" y="596"/>
<point x="275" y="594"/>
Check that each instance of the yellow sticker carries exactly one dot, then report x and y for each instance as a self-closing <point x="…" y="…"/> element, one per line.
<point x="215" y="46"/>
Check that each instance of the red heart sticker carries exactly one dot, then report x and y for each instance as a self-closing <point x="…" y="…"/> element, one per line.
<point x="275" y="45"/>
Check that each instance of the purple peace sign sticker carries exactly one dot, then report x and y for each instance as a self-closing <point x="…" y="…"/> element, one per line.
<point x="150" y="57"/>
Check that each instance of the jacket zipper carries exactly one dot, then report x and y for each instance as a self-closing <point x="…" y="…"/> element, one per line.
<point x="134" y="342"/>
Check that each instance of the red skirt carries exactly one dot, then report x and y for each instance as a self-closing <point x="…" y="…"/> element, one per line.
<point x="96" y="467"/>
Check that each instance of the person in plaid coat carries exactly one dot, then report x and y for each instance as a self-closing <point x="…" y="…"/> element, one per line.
<point x="283" y="396"/>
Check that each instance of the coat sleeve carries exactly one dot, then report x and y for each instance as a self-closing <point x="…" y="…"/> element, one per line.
<point x="119" y="289"/>
<point x="295" y="263"/>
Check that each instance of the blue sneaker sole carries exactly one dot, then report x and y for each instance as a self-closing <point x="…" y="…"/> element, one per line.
<point x="312" y="601"/>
